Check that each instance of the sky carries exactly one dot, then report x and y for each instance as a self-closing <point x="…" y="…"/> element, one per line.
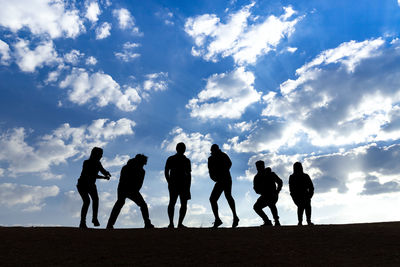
<point x="279" y="81"/>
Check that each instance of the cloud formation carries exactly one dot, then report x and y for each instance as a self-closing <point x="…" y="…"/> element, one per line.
<point x="125" y="19"/>
<point x="238" y="38"/>
<point x="92" y="11"/>
<point x="103" y="31"/>
<point x="127" y="53"/>
<point x="57" y="147"/>
<point x="32" y="198"/>
<point x="4" y="53"/>
<point x="48" y="17"/>
<point x="43" y="54"/>
<point x="101" y="87"/>
<point x="226" y="95"/>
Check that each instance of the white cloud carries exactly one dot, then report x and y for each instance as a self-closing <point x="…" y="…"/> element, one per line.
<point x="346" y="95"/>
<point x="156" y="82"/>
<point x="127" y="54"/>
<point x="226" y="95"/>
<point x="53" y="75"/>
<point x="92" y="11"/>
<point x="48" y="17"/>
<point x="43" y="54"/>
<point x="125" y="19"/>
<point x="57" y="147"/>
<point x="31" y="197"/>
<point x="243" y="126"/>
<point x="291" y="49"/>
<point x="117" y="161"/>
<point x="103" y="31"/>
<point x="5" y="53"/>
<point x="244" y="42"/>
<point x="197" y="148"/>
<point x="73" y="56"/>
<point x="101" y="87"/>
<point x="91" y="61"/>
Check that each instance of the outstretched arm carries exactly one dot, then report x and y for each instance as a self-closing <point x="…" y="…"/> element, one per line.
<point x="106" y="174"/>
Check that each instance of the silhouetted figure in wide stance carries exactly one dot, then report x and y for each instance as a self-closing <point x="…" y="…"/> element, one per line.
<point x="264" y="184"/>
<point x="87" y="185"/>
<point x="130" y="182"/>
<point x="178" y="174"/>
<point x="218" y="167"/>
<point x="302" y="190"/>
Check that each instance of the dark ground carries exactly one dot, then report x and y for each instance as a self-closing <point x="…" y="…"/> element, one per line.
<point x="376" y="244"/>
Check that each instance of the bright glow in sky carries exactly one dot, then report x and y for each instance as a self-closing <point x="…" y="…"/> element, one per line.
<point x="279" y="81"/>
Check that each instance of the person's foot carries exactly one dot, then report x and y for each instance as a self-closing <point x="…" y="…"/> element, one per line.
<point x="181" y="226"/>
<point x="309" y="223"/>
<point x="83" y="225"/>
<point x="109" y="227"/>
<point x="267" y="223"/>
<point x="171" y="225"/>
<point x="299" y="223"/>
<point x="235" y="222"/>
<point x="217" y="223"/>
<point x="277" y="223"/>
<point x="148" y="226"/>
<point x="95" y="222"/>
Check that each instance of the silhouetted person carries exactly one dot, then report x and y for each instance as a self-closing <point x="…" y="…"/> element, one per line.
<point x="218" y="167"/>
<point x="178" y="174"/>
<point x="302" y="190"/>
<point x="130" y="182"/>
<point x="87" y="185"/>
<point x="264" y="183"/>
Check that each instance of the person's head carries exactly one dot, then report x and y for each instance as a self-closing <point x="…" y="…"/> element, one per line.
<point x="180" y="148"/>
<point x="260" y="165"/>
<point x="141" y="159"/>
<point x="96" y="153"/>
<point x="214" y="149"/>
<point x="297" y="167"/>
<point x="268" y="170"/>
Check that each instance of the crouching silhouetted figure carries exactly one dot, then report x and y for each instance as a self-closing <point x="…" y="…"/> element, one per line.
<point x="130" y="182"/>
<point x="302" y="190"/>
<point x="87" y="185"/>
<point x="178" y="175"/>
<point x="264" y="183"/>
<point x="218" y="167"/>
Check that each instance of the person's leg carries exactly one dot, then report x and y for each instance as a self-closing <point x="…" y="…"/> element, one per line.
<point x="231" y="202"/>
<point x="258" y="208"/>
<point x="85" y="206"/>
<point x="138" y="199"/>
<point x="173" y="196"/>
<point x="215" y="194"/>
<point x="308" y="211"/>
<point x="274" y="210"/>
<point x="116" y="210"/>
<point x="182" y="211"/>
<point x="95" y="205"/>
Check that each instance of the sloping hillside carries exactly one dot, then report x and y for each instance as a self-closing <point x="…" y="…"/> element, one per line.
<point x="334" y="245"/>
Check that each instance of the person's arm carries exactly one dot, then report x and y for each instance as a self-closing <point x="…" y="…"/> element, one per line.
<point x="229" y="162"/>
<point x="255" y="185"/>
<point x="189" y="174"/>
<point x="166" y="170"/>
<point x="279" y="182"/>
<point x="211" y="169"/>
<point x="310" y="186"/>
<point x="106" y="174"/>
